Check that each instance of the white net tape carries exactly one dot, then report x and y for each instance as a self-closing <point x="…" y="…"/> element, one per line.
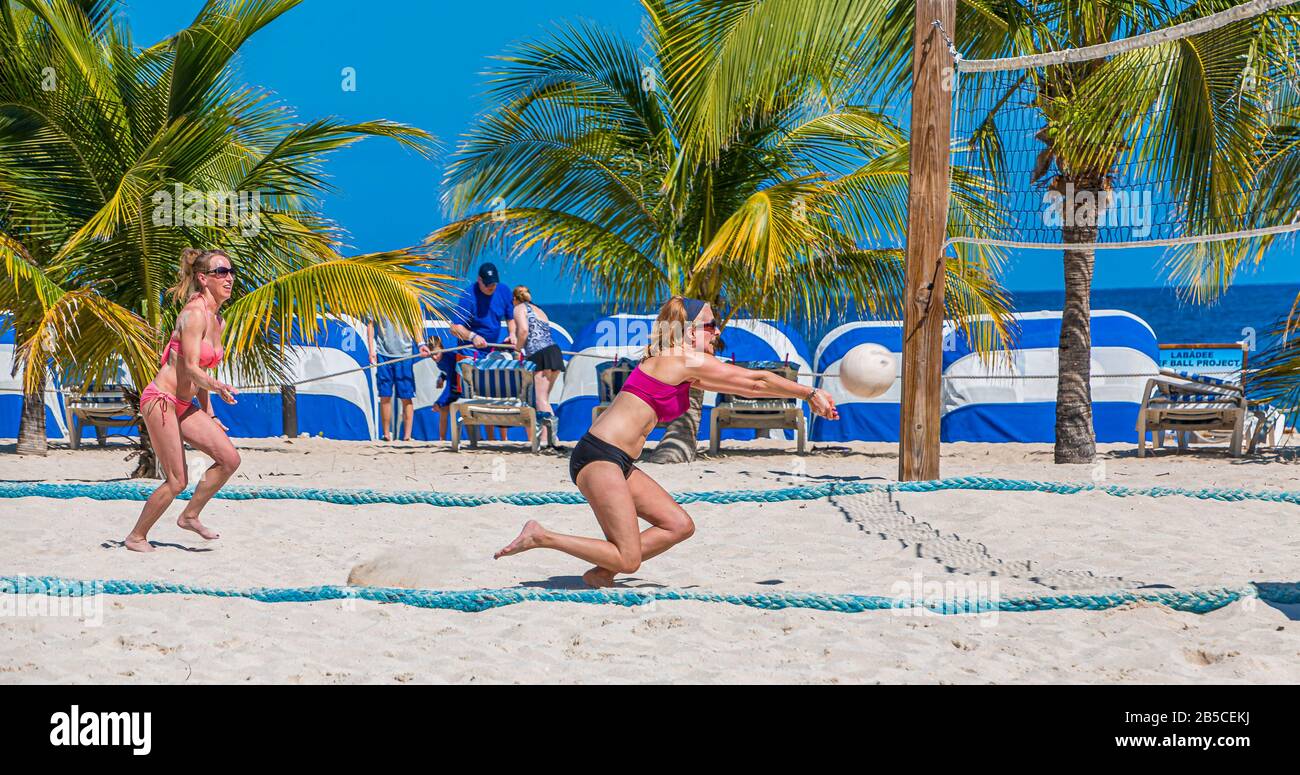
<point x="1103" y="50"/>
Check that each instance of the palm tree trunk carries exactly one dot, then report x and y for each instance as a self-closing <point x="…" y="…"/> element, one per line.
<point x="1076" y="441"/>
<point x="680" y="437"/>
<point x="31" y="426"/>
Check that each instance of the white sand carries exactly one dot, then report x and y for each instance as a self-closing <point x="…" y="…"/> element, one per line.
<point x="989" y="543"/>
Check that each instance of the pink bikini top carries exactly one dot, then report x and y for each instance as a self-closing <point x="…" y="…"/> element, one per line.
<point x="209" y="357"/>
<point x="668" y="401"/>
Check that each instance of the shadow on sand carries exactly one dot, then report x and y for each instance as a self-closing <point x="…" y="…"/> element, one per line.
<point x="157" y="545"/>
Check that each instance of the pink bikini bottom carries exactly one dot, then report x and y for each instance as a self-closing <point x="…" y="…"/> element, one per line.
<point x="152" y="394"/>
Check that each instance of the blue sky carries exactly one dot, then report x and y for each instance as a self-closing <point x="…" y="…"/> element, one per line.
<point x="420" y="62"/>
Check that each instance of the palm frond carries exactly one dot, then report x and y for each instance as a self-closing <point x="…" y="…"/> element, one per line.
<point x="89" y="173"/>
<point x="393" y="285"/>
<point x="203" y="49"/>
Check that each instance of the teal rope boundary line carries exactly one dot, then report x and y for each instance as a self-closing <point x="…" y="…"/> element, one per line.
<point x="138" y="491"/>
<point x="477" y="600"/>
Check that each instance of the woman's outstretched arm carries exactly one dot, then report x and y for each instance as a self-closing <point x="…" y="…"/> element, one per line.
<point x="710" y="373"/>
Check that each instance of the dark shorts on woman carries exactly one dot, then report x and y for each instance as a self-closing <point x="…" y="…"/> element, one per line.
<point x="590" y="449"/>
<point x="549" y="358"/>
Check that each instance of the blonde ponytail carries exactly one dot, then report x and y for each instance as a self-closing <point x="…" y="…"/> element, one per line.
<point x="193" y="261"/>
<point x="522" y="294"/>
<point x="669" y="330"/>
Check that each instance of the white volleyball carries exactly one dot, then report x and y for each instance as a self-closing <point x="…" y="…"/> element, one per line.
<point x="868" y="370"/>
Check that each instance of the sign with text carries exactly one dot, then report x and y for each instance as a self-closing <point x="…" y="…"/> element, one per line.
<point x="1223" y="361"/>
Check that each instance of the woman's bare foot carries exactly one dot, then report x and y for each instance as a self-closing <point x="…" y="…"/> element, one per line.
<point x="138" y="544"/>
<point x="529" y="538"/>
<point x="193" y="524"/>
<point x="598" y="577"/>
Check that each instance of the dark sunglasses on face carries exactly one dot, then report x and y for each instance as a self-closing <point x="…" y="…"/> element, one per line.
<point x="710" y="326"/>
<point x="222" y="271"/>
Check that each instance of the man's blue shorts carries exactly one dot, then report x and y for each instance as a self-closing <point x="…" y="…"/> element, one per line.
<point x="398" y="376"/>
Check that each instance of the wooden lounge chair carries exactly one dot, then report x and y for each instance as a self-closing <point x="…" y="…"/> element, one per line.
<point x="497" y="391"/>
<point x="610" y="376"/>
<point x="759" y="413"/>
<point x="1260" y="426"/>
<point x="1188" y="404"/>
<point x="101" y="409"/>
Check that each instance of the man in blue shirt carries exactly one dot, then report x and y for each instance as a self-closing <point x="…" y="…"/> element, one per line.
<point x="478" y="315"/>
<point x="481" y="309"/>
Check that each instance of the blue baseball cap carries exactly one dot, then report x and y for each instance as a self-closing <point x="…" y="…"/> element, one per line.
<point x="488" y="274"/>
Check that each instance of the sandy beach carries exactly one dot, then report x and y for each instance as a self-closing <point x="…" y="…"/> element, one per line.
<point x="1004" y="544"/>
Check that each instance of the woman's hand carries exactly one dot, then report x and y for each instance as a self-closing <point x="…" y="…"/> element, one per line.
<point x="227" y="392"/>
<point x="823" y="405"/>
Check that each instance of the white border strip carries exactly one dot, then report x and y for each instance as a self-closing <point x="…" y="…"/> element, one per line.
<point x="1176" y="32"/>
<point x="1189" y="240"/>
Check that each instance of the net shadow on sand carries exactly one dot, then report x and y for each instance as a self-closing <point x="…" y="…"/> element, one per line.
<point x="879" y="513"/>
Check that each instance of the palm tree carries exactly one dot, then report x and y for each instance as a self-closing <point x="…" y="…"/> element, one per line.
<point x="590" y="156"/>
<point x="98" y="137"/>
<point x="1209" y="150"/>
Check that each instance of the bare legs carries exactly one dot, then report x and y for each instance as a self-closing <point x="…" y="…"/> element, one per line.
<point x="617" y="503"/>
<point x="167" y="431"/>
<point x="543" y="383"/>
<point x="203" y="433"/>
<point x="386" y="417"/>
<point x="408" y="418"/>
<point x="444" y="416"/>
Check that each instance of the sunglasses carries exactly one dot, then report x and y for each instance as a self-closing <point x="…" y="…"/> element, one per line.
<point x="710" y="325"/>
<point x="222" y="271"/>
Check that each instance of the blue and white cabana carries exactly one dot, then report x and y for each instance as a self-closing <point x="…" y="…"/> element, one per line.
<point x="625" y="336"/>
<point x="999" y="400"/>
<point x="1019" y="404"/>
<point x="1002" y="400"/>
<point x="11" y="395"/>
<point x="861" y="419"/>
<point x="338" y="407"/>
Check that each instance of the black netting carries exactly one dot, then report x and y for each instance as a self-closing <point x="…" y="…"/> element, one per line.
<point x="1183" y="139"/>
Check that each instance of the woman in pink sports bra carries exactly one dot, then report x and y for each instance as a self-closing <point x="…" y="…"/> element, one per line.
<point x="679" y="355"/>
<point x="168" y="406"/>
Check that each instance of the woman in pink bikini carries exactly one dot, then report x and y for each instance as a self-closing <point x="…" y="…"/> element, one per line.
<point x="679" y="355"/>
<point x="168" y="405"/>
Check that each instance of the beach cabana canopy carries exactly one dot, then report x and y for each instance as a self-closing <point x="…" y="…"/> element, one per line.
<point x="339" y="407"/>
<point x="1009" y="398"/>
<point x="11" y="394"/>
